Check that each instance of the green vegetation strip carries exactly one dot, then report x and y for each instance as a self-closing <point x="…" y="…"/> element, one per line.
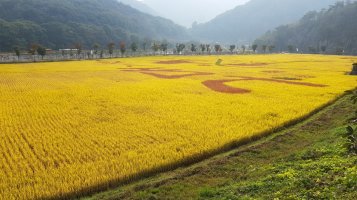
<point x="306" y="161"/>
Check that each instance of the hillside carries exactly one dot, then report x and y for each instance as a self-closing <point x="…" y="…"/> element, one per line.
<point x="60" y="24"/>
<point x="329" y="31"/>
<point x="140" y="6"/>
<point x="245" y="23"/>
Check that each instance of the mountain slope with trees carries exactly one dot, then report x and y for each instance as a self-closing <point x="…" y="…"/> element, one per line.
<point x="140" y="6"/>
<point x="333" y="31"/>
<point x="61" y="24"/>
<point x="245" y="23"/>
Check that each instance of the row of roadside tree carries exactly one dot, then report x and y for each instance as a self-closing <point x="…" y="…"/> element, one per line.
<point x="38" y="52"/>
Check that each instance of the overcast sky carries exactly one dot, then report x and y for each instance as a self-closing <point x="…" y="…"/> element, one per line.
<point x="185" y="12"/>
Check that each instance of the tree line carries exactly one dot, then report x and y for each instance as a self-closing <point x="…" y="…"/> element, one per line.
<point x="37" y="52"/>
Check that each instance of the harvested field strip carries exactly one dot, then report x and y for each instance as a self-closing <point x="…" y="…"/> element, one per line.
<point x="171" y="62"/>
<point x="245" y="78"/>
<point x="175" y="76"/>
<point x="248" y="64"/>
<point x="156" y="73"/>
<point x="273" y="71"/>
<point x="219" y="86"/>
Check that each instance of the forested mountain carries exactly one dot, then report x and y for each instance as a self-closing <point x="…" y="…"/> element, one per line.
<point x="246" y="22"/>
<point x="333" y="30"/>
<point x="140" y="6"/>
<point x="61" y="24"/>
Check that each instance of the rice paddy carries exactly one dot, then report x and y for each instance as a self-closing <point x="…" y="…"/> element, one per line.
<point x="82" y="126"/>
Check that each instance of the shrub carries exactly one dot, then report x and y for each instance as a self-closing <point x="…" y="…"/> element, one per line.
<point x="351" y="139"/>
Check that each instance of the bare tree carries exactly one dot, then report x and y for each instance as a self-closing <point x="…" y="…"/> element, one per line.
<point x="33" y="50"/>
<point x="203" y="48"/>
<point x="95" y="48"/>
<point x="291" y="48"/>
<point x="111" y="47"/>
<point x="41" y="51"/>
<point x="323" y="49"/>
<point x="271" y="48"/>
<point x="208" y="48"/>
<point x="17" y="52"/>
<point x="193" y="48"/>
<point x="231" y="48"/>
<point x="243" y="49"/>
<point x="218" y="48"/>
<point x="122" y="47"/>
<point x="78" y="47"/>
<point x="264" y="48"/>
<point x="163" y="47"/>
<point x="134" y="47"/>
<point x="180" y="48"/>
<point x="255" y="47"/>
<point x="155" y="47"/>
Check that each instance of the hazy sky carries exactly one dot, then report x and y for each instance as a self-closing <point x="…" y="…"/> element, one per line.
<point x="185" y="12"/>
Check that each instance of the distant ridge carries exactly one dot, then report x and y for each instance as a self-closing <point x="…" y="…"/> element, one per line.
<point x="140" y="6"/>
<point x="246" y="22"/>
<point x="331" y="31"/>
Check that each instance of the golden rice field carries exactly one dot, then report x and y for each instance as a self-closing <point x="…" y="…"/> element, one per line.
<point x="77" y="127"/>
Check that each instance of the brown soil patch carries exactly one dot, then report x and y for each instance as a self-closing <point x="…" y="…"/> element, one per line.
<point x="138" y="69"/>
<point x="158" y="73"/>
<point x="172" y="62"/>
<point x="350" y="58"/>
<point x="305" y="76"/>
<point x="248" y="64"/>
<point x="219" y="86"/>
<point x="273" y="71"/>
<point x="163" y="76"/>
<point x="108" y="62"/>
<point x="245" y="78"/>
<point x="302" y="61"/>
<point x="288" y="78"/>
